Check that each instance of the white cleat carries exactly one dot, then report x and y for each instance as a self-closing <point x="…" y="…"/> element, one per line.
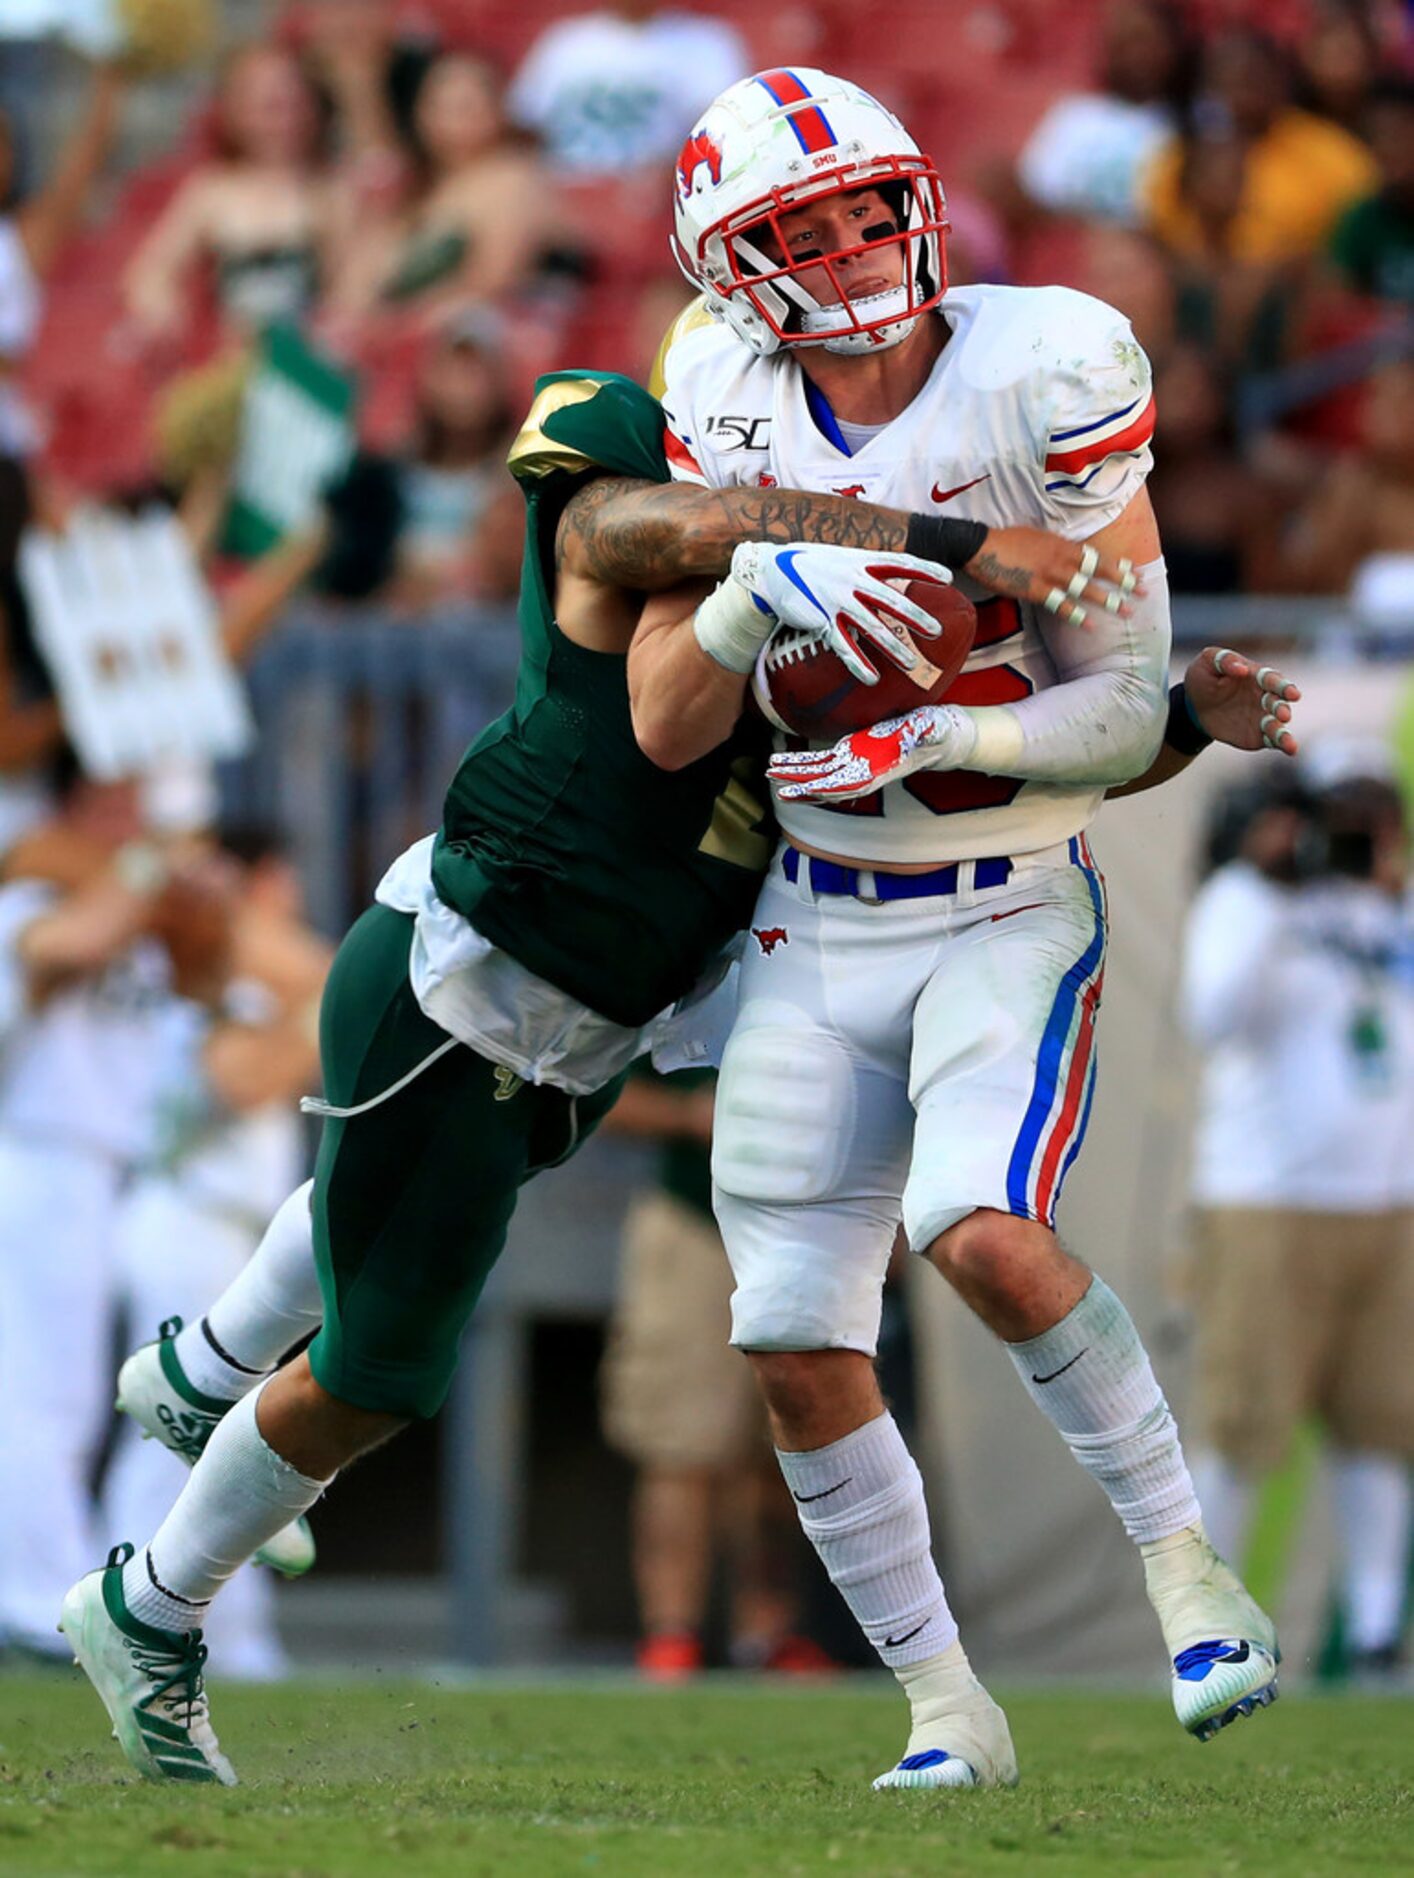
<point x="155" y="1392"/>
<point x="960" y="1737"/>
<point x="1223" y="1645"/>
<point x="149" y="1681"/>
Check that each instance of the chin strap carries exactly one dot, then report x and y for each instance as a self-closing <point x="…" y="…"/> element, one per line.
<point x="821" y="320"/>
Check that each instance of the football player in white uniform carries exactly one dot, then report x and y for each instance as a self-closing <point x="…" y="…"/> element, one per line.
<point x="916" y="1039"/>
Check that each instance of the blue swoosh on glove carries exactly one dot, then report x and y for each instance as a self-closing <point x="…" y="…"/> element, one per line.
<point x="785" y="561"/>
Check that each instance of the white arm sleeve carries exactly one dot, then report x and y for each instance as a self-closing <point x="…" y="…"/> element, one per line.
<point x="1104" y="722"/>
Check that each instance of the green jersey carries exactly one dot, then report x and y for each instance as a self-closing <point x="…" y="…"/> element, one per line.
<point x="561" y="842"/>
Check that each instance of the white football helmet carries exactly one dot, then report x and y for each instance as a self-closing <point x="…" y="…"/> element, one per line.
<point x="770" y="145"/>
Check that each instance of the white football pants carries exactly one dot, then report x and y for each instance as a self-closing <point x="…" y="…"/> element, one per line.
<point x="926" y="1056"/>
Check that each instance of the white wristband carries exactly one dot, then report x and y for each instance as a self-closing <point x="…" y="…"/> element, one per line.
<point x="732" y="626"/>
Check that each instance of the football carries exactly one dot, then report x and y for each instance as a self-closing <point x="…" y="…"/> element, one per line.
<point x="803" y="687"/>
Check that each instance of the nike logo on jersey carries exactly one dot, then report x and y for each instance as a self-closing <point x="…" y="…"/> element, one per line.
<point x="507" y="1083"/>
<point x="1033" y="906"/>
<point x="946" y="495"/>
<point x="804" y="1499"/>
<point x="1063" y="1368"/>
<point x="893" y="1643"/>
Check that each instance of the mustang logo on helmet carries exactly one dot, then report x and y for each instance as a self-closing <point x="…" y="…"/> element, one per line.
<point x="701" y="147"/>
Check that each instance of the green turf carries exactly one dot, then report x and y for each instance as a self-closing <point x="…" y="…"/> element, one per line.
<point x="427" y="1781"/>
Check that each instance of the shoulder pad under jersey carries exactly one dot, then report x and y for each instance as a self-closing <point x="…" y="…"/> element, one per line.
<point x="581" y="421"/>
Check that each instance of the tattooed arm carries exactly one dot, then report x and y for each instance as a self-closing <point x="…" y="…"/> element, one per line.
<point x="648" y="537"/>
<point x="619" y="537"/>
<point x="652" y="536"/>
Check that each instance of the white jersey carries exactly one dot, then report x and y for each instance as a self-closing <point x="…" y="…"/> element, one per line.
<point x="1302" y="1003"/>
<point x="1038" y="413"/>
<point x="80" y="1069"/>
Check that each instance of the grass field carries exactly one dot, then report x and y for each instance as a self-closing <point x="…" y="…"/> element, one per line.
<point x="426" y="1782"/>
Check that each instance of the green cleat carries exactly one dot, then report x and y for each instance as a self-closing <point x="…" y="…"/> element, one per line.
<point x="154" y="1391"/>
<point x="148" y="1680"/>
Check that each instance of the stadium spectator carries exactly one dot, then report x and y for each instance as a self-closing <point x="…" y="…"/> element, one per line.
<point x="1257" y="179"/>
<point x="1338" y="61"/>
<point x="228" y="1147"/>
<point x="261" y="212"/>
<point x="477" y="214"/>
<point x="1216" y="514"/>
<point x="33" y="231"/>
<point x="81" y="972"/>
<point x="1362" y="507"/>
<point x="1088" y="154"/>
<point x="458" y="538"/>
<point x="1297" y="991"/>
<point x="610" y="91"/>
<point x="680" y="1404"/>
<point x="441" y="520"/>
<point x="1373" y="243"/>
<point x="352" y="47"/>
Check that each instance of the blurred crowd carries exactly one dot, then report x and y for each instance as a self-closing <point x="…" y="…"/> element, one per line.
<point x="449" y="199"/>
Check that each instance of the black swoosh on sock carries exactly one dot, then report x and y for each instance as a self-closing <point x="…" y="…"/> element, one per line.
<point x="894" y="1643"/>
<point x="805" y="1498"/>
<point x="1063" y="1368"/>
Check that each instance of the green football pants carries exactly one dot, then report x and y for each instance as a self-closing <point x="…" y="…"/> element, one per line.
<point x="413" y="1197"/>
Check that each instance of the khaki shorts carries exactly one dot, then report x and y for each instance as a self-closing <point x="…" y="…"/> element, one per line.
<point x="673" y="1392"/>
<point x="1304" y="1313"/>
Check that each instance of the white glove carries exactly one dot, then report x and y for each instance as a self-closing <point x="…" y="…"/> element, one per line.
<point x="935" y="736"/>
<point x="838" y="595"/>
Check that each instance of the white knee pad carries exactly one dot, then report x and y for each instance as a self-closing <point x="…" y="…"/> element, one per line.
<point x="807" y="1278"/>
<point x="784" y="1115"/>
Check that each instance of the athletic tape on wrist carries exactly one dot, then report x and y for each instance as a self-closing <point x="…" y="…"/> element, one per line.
<point x="732" y="625"/>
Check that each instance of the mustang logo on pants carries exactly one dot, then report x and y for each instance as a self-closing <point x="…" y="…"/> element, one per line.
<point x="769" y="937"/>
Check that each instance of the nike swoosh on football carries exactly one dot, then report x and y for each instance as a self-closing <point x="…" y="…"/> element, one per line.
<point x="946" y="495"/>
<point x="893" y="1643"/>
<point x="1063" y="1368"/>
<point x="805" y="1498"/>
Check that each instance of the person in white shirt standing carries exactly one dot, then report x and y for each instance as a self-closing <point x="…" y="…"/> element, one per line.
<point x="228" y="1148"/>
<point x="919" y="1042"/>
<point x="82" y="977"/>
<point x="1299" y="992"/>
<point x="607" y="91"/>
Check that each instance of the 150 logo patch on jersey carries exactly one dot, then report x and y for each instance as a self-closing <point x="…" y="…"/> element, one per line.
<point x="739" y="433"/>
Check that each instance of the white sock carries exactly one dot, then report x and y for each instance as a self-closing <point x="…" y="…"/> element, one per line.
<point x="861" y="1506"/>
<point x="265" y="1310"/>
<point x="1090" y="1375"/>
<point x="239" y="1494"/>
<point x="1227" y="1494"/>
<point x="1373" y="1505"/>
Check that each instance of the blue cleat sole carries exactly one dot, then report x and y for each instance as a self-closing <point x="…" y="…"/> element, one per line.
<point x="1261" y="1698"/>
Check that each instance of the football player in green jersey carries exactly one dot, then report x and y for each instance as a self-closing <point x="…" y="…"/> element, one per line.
<point x="480" y="1016"/>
